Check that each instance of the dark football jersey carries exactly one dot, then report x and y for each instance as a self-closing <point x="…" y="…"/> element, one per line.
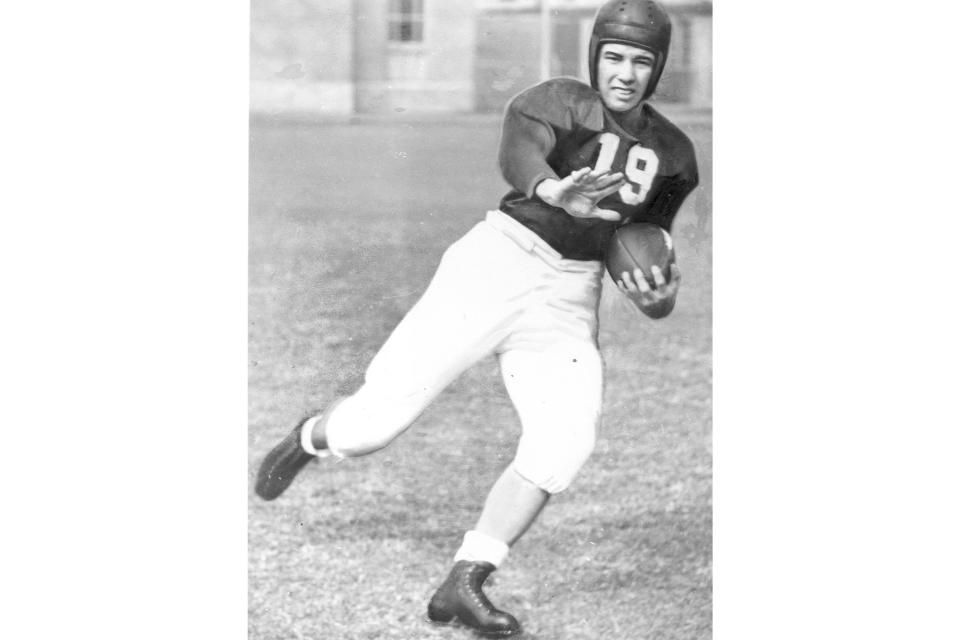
<point x="560" y="126"/>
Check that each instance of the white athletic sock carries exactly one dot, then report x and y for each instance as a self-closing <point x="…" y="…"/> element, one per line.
<point x="306" y="438"/>
<point x="479" y="547"/>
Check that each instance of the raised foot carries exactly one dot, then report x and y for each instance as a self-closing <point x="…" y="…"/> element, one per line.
<point x="282" y="465"/>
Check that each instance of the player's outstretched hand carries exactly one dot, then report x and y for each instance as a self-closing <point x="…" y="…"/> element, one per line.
<point x="579" y="192"/>
<point x="657" y="301"/>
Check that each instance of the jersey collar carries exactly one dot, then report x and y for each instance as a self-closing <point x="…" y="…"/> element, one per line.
<point x="627" y="124"/>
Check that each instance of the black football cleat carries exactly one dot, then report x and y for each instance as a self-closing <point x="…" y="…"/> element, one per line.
<point x="282" y="465"/>
<point x="461" y="598"/>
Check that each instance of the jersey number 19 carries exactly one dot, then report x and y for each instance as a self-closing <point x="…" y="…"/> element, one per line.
<point x="640" y="169"/>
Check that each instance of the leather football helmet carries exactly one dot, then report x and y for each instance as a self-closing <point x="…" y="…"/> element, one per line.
<point x="639" y="23"/>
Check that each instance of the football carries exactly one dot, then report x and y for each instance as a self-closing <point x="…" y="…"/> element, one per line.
<point x="640" y="245"/>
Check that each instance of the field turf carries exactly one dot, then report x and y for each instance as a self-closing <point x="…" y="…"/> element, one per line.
<point x="347" y="223"/>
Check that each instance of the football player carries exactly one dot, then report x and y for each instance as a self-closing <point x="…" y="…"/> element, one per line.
<point x="524" y="284"/>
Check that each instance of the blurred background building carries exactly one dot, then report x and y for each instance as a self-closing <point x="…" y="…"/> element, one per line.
<point x="344" y="57"/>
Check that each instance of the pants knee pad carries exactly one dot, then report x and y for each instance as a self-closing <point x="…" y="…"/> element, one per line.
<point x="552" y="466"/>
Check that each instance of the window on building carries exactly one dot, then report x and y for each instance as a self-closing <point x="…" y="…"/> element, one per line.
<point x="406" y="20"/>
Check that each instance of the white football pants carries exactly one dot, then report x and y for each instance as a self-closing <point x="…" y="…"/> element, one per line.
<point x="499" y="289"/>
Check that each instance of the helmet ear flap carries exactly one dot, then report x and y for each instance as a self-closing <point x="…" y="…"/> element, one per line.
<point x="640" y="23"/>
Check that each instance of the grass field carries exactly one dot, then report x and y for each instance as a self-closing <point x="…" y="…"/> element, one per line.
<point x="347" y="223"/>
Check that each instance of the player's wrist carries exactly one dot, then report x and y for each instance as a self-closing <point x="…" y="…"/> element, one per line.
<point x="546" y="190"/>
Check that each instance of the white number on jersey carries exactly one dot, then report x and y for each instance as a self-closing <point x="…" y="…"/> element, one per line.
<point x="640" y="170"/>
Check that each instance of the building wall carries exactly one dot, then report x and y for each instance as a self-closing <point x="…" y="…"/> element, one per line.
<point x="686" y="80"/>
<point x="429" y="76"/>
<point x="701" y="91"/>
<point x="507" y="57"/>
<point x="333" y="57"/>
<point x="301" y="56"/>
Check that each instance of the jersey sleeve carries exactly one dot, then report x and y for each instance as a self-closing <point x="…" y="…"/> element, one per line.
<point x="673" y="194"/>
<point x="533" y="121"/>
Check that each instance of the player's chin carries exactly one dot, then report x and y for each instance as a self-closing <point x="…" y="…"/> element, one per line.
<point x="621" y="102"/>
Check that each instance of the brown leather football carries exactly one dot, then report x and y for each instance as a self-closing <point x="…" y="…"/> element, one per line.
<point x="640" y="245"/>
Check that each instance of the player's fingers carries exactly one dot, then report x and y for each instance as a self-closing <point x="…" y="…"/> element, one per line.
<point x="607" y="181"/>
<point x="596" y="174"/>
<point x="602" y="174"/>
<point x="603" y="193"/>
<point x="626" y="283"/>
<point x="587" y="180"/>
<point x="658" y="279"/>
<point x="580" y="176"/>
<point x="603" y="179"/>
<point x="641" y="281"/>
<point x="605" y="214"/>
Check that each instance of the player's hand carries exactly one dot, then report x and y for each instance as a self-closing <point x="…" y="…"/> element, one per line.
<point x="579" y="192"/>
<point x="657" y="301"/>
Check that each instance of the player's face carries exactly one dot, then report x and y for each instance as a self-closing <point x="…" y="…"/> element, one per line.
<point x="623" y="73"/>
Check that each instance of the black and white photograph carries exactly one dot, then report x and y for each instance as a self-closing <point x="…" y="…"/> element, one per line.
<point x="480" y="319"/>
<point x="454" y="319"/>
